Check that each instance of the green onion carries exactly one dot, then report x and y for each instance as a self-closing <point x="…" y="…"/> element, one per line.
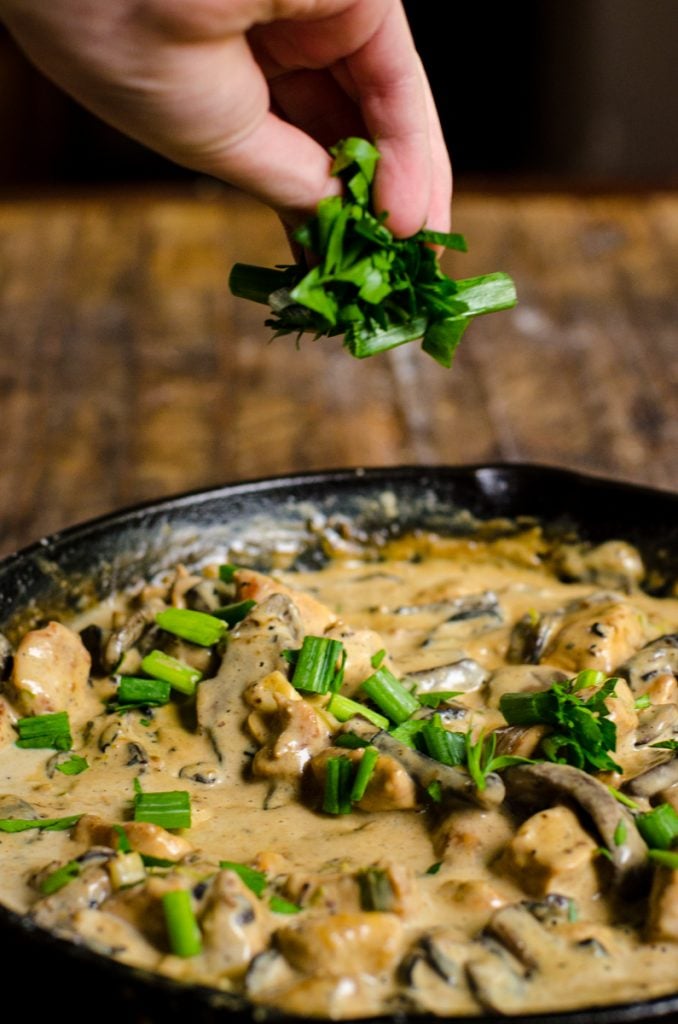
<point x="390" y="695"/>
<point x="178" y="674"/>
<point x="364" y="774"/>
<point x="337" y="796"/>
<point x="433" y="869"/>
<point x="409" y="732"/>
<point x="40" y="731"/>
<point x="196" y="627"/>
<point x="620" y="833"/>
<point x="281" y="906"/>
<point x="572" y="910"/>
<point x="344" y="708"/>
<point x="376" y="890"/>
<point x="319" y="666"/>
<point x="377" y="659"/>
<point x="350" y="741"/>
<point x="524" y="708"/>
<point x="642" y="702"/>
<point x="602" y="851"/>
<point x="447" y="747"/>
<point x="256" y="881"/>
<point x="665" y="857"/>
<point x="59" y="878"/>
<point x="132" y="690"/>
<point x="182" y="928"/>
<point x="123" y="844"/>
<point x="623" y="798"/>
<point x="169" y="810"/>
<point x="436" y="698"/>
<point x="435" y="791"/>
<point x="45" y="824"/>
<point x="234" y="613"/>
<point x="666" y="744"/>
<point x="74" y="766"/>
<point x="659" y="827"/>
<point x="227" y="572"/>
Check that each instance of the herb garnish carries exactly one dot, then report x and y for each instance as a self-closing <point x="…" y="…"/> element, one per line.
<point x="376" y="290"/>
<point x="582" y="733"/>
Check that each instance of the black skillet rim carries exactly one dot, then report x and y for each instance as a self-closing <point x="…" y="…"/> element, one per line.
<point x="496" y="486"/>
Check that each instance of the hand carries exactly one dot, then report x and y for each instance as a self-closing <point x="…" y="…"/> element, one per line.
<point x="253" y="92"/>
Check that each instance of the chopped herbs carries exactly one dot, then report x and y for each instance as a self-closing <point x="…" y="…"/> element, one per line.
<point x="75" y="765"/>
<point x="377" y="660"/>
<point x="433" y="869"/>
<point x="59" y="878"/>
<point x="227" y="572"/>
<point x="390" y="696"/>
<point x="376" y="290"/>
<point x="364" y="773"/>
<point x="169" y="810"/>
<point x="45" y="824"/>
<point x="620" y="833"/>
<point x="666" y="745"/>
<point x="337" y="792"/>
<point x="583" y="734"/>
<point x="196" y="627"/>
<point x="350" y="741"/>
<point x="172" y="671"/>
<point x="255" y="880"/>
<point x="38" y="731"/>
<point x="623" y="798"/>
<point x="319" y="665"/>
<point x="447" y="747"/>
<point x="435" y="699"/>
<point x="664" y="857"/>
<point x="480" y="759"/>
<point x="183" y="932"/>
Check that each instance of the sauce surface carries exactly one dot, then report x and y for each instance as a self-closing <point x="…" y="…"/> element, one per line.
<point x="432" y="893"/>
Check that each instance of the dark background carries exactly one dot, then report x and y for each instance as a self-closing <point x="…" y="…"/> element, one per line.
<point x="579" y="91"/>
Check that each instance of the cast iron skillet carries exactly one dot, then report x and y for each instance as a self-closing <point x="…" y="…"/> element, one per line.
<point x="249" y="520"/>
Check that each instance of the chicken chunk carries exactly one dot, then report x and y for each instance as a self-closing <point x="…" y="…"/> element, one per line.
<point x="662" y="923"/>
<point x="390" y="787"/>
<point x="316" y="618"/>
<point x="51" y="670"/>
<point x="600" y="633"/>
<point x="343" y="943"/>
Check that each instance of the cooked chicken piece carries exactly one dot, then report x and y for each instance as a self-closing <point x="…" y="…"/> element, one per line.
<point x="148" y="839"/>
<point x="343" y="943"/>
<point x="551" y="853"/>
<point x="112" y="936"/>
<point x="296" y="731"/>
<point x="614" y="563"/>
<point x="662" y="922"/>
<point x="233" y="928"/>
<point x="599" y="632"/>
<point x="51" y="670"/>
<point x="316" y="618"/>
<point x="360" y="645"/>
<point x="472" y="836"/>
<point x="89" y="889"/>
<point x="390" y="788"/>
<point x="476" y="898"/>
<point x="8" y="717"/>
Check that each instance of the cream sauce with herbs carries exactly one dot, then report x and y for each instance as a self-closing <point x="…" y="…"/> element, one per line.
<point x="508" y="908"/>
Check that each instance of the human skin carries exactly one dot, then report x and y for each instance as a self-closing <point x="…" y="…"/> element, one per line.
<point x="253" y="91"/>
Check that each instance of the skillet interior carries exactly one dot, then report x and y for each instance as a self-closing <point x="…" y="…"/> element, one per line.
<point x="270" y="520"/>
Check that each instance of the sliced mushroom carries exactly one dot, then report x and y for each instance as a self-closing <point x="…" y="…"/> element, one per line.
<point x="656" y="723"/>
<point x="14" y="807"/>
<point x="6" y="657"/>
<point x="530" y="636"/>
<point x="519" y="740"/>
<point x="468" y="615"/>
<point x="654" y="659"/>
<point x="204" y="772"/>
<point x="268" y="973"/>
<point x="652" y="782"/>
<point x="254" y="650"/>
<point x="126" y="636"/>
<point x="454" y="782"/>
<point x="539" y="784"/>
<point x="465" y="675"/>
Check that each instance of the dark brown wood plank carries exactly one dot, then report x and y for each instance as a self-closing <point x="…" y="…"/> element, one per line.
<point x="128" y="372"/>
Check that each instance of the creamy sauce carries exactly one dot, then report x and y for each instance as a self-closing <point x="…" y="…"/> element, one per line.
<point x="506" y="906"/>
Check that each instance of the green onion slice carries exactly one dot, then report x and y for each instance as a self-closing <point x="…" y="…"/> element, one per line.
<point x="390" y="696"/>
<point x="196" y="627"/>
<point x="376" y="891"/>
<point x="447" y="747"/>
<point x="39" y="731"/>
<point x="59" y="878"/>
<point x="45" y="824"/>
<point x="337" y="794"/>
<point x="182" y="928"/>
<point x="366" y="767"/>
<point x="255" y="880"/>
<point x="659" y="827"/>
<point x="281" y="906"/>
<point x="234" y="613"/>
<point x="175" y="673"/>
<point x="344" y="708"/>
<point x="133" y="690"/>
<point x="665" y="857"/>
<point x="350" y="741"/>
<point x="74" y="766"/>
<point x="169" y="810"/>
<point x="227" y="572"/>
<point x="319" y="666"/>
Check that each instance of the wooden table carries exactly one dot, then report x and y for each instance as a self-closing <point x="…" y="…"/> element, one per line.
<point x="128" y="371"/>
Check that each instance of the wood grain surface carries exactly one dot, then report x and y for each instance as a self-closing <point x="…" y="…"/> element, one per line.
<point x="128" y="371"/>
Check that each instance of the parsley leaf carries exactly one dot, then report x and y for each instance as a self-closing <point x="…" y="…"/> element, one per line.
<point x="377" y="290"/>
